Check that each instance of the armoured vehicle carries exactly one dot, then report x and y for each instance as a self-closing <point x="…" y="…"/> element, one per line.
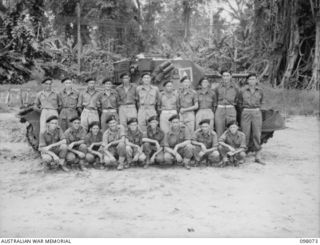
<point x="161" y="70"/>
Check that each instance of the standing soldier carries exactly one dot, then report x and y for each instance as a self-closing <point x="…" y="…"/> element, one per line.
<point x="108" y="103"/>
<point x="69" y="101"/>
<point x="76" y="147"/>
<point x="148" y="100"/>
<point x="168" y="105"/>
<point x="52" y="144"/>
<point x="178" y="143"/>
<point x="134" y="143"/>
<point x="88" y="104"/>
<point x="232" y="145"/>
<point x="251" y="98"/>
<point x="114" y="144"/>
<point x="188" y="103"/>
<point x="93" y="141"/>
<point x="227" y="96"/>
<point x="47" y="101"/>
<point x="127" y="99"/>
<point x="153" y="142"/>
<point x="206" y="142"/>
<point x="207" y="103"/>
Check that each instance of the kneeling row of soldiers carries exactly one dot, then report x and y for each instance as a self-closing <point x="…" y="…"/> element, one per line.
<point x="121" y="147"/>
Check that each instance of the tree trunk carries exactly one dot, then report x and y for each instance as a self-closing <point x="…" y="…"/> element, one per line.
<point x="79" y="36"/>
<point x="316" y="62"/>
<point x="186" y="14"/>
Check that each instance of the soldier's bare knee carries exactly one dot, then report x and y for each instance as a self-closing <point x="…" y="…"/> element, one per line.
<point x="242" y="155"/>
<point x="90" y="158"/>
<point x="46" y="158"/>
<point x="70" y="157"/>
<point x="83" y="148"/>
<point x="142" y="157"/>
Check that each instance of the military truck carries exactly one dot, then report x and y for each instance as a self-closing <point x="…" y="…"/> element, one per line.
<point x="161" y="70"/>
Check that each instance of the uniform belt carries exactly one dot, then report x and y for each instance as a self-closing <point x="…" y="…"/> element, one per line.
<point x="225" y="106"/>
<point x="109" y="110"/>
<point x="68" y="108"/>
<point x="50" y="108"/>
<point x="147" y="106"/>
<point x="90" y="109"/>
<point x="168" y="109"/>
<point x="252" y="109"/>
<point x="129" y="105"/>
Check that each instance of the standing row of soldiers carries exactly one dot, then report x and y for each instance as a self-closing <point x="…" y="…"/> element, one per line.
<point x="120" y="126"/>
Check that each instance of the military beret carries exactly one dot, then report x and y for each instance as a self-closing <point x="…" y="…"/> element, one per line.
<point x="223" y="71"/>
<point x="251" y="74"/>
<point x="183" y="79"/>
<point x="175" y="116"/>
<point x="74" y="118"/>
<point x="124" y="74"/>
<point x="132" y="120"/>
<point x="89" y="79"/>
<point x="232" y="123"/>
<point x="65" y="79"/>
<point x="46" y="79"/>
<point x="49" y="119"/>
<point x="152" y="118"/>
<point x="204" y="121"/>
<point x="94" y="123"/>
<point x="166" y="82"/>
<point x="107" y="80"/>
<point x="145" y="73"/>
<point x="111" y="118"/>
<point x="202" y="79"/>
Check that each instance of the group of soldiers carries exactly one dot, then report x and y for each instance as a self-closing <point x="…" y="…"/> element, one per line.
<point x="139" y="125"/>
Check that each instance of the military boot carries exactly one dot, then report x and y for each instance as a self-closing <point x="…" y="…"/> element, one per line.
<point x="258" y="158"/>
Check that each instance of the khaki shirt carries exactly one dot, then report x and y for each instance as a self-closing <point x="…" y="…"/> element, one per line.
<point x="48" y="138"/>
<point x="176" y="137"/>
<point x="135" y="137"/>
<point x="187" y="98"/>
<point x="227" y="95"/>
<point x="110" y="136"/>
<point x="90" y="138"/>
<point x="73" y="135"/>
<point x="169" y="101"/>
<point x="148" y="95"/>
<point x="209" y="139"/>
<point x="158" y="135"/>
<point x="110" y="101"/>
<point x="207" y="99"/>
<point x="69" y="100"/>
<point x="47" y="100"/>
<point x="89" y="100"/>
<point x="127" y="97"/>
<point x="237" y="140"/>
<point x="251" y="100"/>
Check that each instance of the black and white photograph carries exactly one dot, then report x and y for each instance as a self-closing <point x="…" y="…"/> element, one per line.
<point x="159" y="119"/>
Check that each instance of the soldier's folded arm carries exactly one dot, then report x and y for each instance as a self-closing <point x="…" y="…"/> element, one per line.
<point x="94" y="144"/>
<point x="151" y="141"/>
<point x="182" y="144"/>
<point x="203" y="147"/>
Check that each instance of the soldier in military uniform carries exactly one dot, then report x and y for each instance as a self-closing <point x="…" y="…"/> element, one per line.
<point x="127" y="99"/>
<point x="251" y="99"/>
<point x="93" y="141"/>
<point x="47" y="101"/>
<point x="232" y="145"/>
<point x="207" y="103"/>
<point x="108" y="103"/>
<point x="88" y="104"/>
<point x="188" y="103"/>
<point x="52" y="144"/>
<point x="114" y="144"/>
<point x="153" y="142"/>
<point x="168" y="105"/>
<point x="178" y="143"/>
<point x="134" y="143"/>
<point x="227" y="96"/>
<point x="77" y="149"/>
<point x="205" y="141"/>
<point x="148" y="100"/>
<point x="68" y="101"/>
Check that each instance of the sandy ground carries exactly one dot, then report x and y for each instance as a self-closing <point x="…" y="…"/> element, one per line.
<point x="277" y="200"/>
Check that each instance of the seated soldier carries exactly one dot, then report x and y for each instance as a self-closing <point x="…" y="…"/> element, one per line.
<point x="178" y="144"/>
<point x="93" y="141"/>
<point x="52" y="144"/>
<point x="134" y="142"/>
<point x="114" y="144"/>
<point x="205" y="141"/>
<point x="153" y="142"/>
<point x="77" y="149"/>
<point x="232" y="145"/>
